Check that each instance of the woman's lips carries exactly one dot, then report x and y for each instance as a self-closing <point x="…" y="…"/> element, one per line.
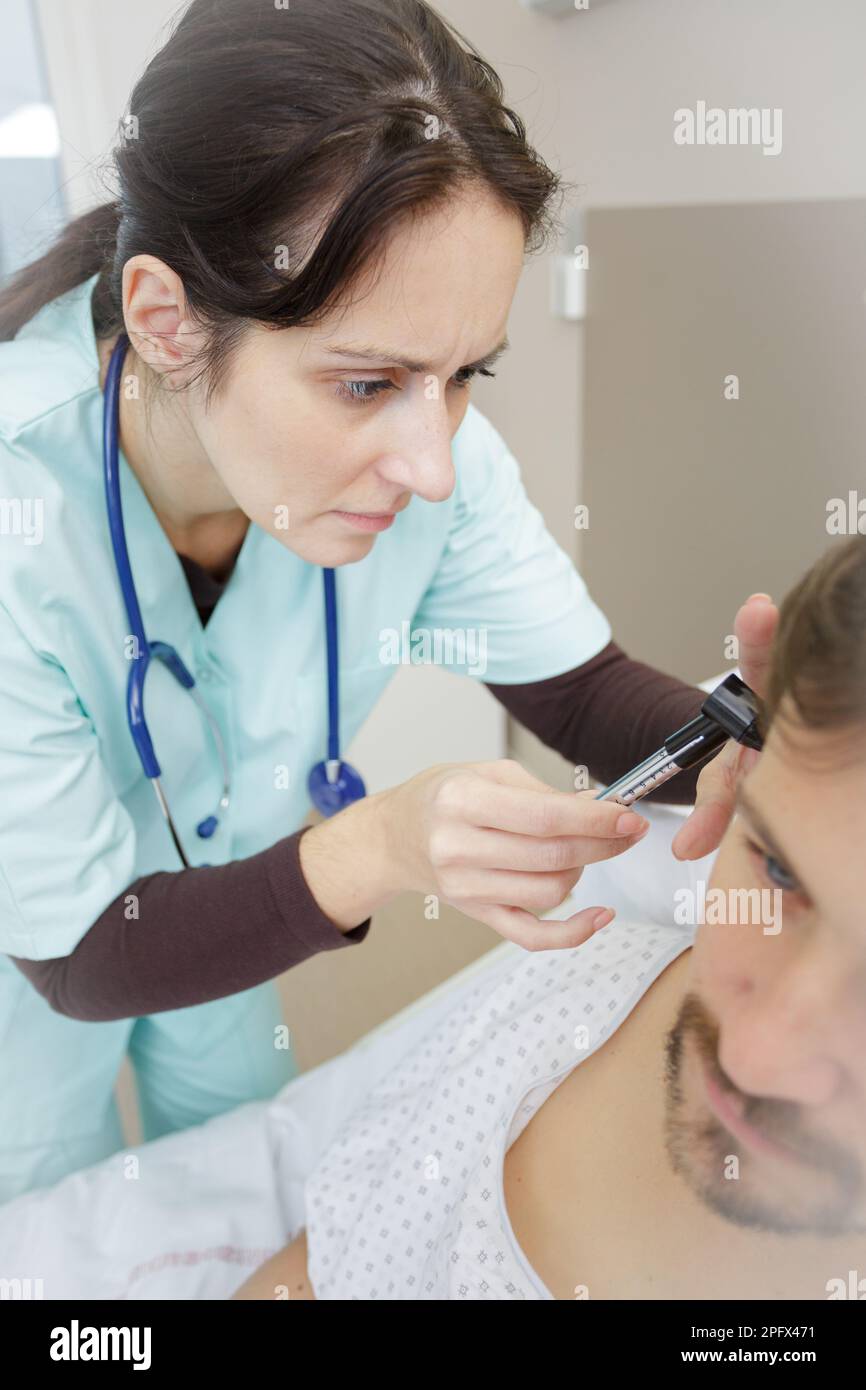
<point x="368" y="521"/>
<point x="729" y="1109"/>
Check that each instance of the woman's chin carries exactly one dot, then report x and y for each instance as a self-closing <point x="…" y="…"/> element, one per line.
<point x="328" y="551"/>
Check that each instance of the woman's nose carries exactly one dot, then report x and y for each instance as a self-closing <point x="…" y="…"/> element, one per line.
<point x="420" y="458"/>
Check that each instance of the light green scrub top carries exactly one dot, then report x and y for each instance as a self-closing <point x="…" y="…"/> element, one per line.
<point x="78" y="820"/>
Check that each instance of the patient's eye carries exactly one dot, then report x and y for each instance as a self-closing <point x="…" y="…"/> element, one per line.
<point x="779" y="874"/>
<point x="775" y="870"/>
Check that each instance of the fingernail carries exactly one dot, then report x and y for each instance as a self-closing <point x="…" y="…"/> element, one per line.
<point x="629" y="823"/>
<point x="764" y="598"/>
<point x="606" y="915"/>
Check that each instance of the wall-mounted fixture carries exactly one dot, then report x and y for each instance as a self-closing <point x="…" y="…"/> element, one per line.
<point x="553" y="6"/>
<point x="567" y="288"/>
<point x="569" y="269"/>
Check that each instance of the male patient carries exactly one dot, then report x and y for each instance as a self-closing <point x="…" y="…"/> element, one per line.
<point x="713" y="1144"/>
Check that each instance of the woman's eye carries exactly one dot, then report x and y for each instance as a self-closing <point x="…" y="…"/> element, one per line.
<point x="362" y="392"/>
<point x="473" y="371"/>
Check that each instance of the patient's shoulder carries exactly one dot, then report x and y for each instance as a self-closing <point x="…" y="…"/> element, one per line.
<point x="283" y="1277"/>
<point x="560" y="1165"/>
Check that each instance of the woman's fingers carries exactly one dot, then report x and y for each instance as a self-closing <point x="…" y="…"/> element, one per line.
<point x="714" y="805"/>
<point x="485" y="801"/>
<point x="755" y="626"/>
<point x="479" y="847"/>
<point x="533" y="892"/>
<point x="510" y="772"/>
<point x="714" y="802"/>
<point x="502" y="846"/>
<point x="533" y="935"/>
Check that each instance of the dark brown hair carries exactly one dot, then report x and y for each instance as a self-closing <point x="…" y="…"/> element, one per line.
<point x="318" y="128"/>
<point x="818" y="669"/>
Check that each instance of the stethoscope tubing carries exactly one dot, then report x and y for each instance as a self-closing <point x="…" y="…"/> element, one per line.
<point x="332" y="784"/>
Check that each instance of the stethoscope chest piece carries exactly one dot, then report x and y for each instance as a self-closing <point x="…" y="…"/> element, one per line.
<point x="332" y="794"/>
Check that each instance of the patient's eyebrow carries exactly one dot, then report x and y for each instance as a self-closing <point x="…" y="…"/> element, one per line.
<point x="378" y="354"/>
<point x="744" y="803"/>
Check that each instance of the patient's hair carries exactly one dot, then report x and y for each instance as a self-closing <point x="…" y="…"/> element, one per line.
<point x="818" y="671"/>
<point x="268" y="152"/>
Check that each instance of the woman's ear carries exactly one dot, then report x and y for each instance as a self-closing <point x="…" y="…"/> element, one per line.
<point x="157" y="319"/>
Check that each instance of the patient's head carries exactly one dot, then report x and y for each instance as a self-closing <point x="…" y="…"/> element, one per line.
<point x="766" y="1064"/>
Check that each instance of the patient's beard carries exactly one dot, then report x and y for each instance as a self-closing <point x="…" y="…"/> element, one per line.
<point x="820" y="1196"/>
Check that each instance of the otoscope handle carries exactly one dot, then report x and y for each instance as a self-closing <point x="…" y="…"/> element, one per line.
<point x="732" y="710"/>
<point x="695" y="741"/>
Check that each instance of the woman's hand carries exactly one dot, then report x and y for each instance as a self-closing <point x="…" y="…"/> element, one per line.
<point x="754" y="626"/>
<point x="500" y="845"/>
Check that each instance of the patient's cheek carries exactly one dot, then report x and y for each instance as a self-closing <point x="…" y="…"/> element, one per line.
<point x="722" y="956"/>
<point x="727" y="966"/>
<point x="733" y="874"/>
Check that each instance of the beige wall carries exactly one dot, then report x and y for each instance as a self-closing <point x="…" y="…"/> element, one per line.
<point x="696" y="500"/>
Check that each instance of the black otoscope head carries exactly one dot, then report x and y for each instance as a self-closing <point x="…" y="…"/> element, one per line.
<point x="732" y="710"/>
<point x="736" y="709"/>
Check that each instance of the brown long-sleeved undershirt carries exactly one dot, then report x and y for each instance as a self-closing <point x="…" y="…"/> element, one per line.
<point x="203" y="933"/>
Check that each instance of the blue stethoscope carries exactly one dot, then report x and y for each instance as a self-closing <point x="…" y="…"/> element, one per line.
<point x="332" y="784"/>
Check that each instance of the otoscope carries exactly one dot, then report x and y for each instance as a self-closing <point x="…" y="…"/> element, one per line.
<point x="733" y="710"/>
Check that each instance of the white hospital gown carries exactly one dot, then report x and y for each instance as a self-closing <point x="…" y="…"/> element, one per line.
<point x="407" y="1201"/>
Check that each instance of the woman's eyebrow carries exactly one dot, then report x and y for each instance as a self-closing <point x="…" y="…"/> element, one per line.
<point x="410" y="363"/>
<point x="742" y="802"/>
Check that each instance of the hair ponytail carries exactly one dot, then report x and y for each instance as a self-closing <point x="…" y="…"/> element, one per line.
<point x="85" y="246"/>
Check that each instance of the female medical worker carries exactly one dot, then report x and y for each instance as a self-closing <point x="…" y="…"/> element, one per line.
<point x="323" y="214"/>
